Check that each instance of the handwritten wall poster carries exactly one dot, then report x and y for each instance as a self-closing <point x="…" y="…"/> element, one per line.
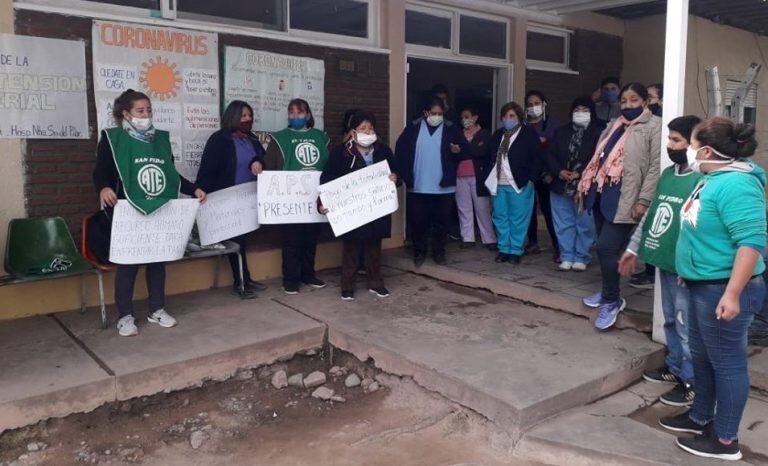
<point x="359" y="198"/>
<point x="268" y="81"/>
<point x="289" y="197"/>
<point x="161" y="236"/>
<point x="228" y="213"/>
<point x="42" y="88"/>
<point x="178" y="69"/>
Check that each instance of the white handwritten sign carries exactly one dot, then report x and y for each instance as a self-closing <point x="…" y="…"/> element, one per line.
<point x="289" y="197"/>
<point x="159" y="237"/>
<point x="42" y="88"/>
<point x="228" y="213"/>
<point x="359" y="198"/>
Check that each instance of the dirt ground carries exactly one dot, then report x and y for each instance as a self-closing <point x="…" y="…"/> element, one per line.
<point x="246" y="421"/>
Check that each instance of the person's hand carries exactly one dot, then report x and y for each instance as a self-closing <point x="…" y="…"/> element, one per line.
<point x="627" y="264"/>
<point x="257" y="168"/>
<point x="564" y="175"/>
<point x="728" y="307"/>
<point x="200" y="195"/>
<point x="543" y="140"/>
<point x="322" y="210"/>
<point x="393" y="177"/>
<point x="108" y="197"/>
<point x="638" y="210"/>
<point x="455" y="148"/>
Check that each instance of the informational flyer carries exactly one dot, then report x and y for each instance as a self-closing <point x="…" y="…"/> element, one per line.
<point x="228" y="213"/>
<point x="359" y="198"/>
<point x="268" y="81"/>
<point x="42" y="88"/>
<point x="178" y="69"/>
<point x="289" y="197"/>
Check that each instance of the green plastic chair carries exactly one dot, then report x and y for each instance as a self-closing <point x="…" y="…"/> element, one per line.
<point x="43" y="249"/>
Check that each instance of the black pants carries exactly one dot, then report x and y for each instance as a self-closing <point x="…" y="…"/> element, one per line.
<point x="542" y="201"/>
<point x="611" y="242"/>
<point x="351" y="251"/>
<point x="299" y="248"/>
<point x="242" y="242"/>
<point x="428" y="217"/>
<point x="125" y="281"/>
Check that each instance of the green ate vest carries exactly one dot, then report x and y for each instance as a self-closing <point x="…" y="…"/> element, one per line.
<point x="146" y="169"/>
<point x="662" y="225"/>
<point x="302" y="150"/>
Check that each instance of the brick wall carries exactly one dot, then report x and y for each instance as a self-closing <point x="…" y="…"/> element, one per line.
<point x="594" y="55"/>
<point x="58" y="172"/>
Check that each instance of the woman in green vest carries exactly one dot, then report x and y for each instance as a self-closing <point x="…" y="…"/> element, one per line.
<point x="134" y="162"/>
<point x="299" y="147"/>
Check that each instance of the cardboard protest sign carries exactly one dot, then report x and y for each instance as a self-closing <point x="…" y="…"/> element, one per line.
<point x="228" y="213"/>
<point x="359" y="198"/>
<point x="159" y="237"/>
<point x="289" y="197"/>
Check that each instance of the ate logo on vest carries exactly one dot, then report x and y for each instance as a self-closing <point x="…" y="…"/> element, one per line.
<point x="662" y="220"/>
<point x="307" y="154"/>
<point x="152" y="180"/>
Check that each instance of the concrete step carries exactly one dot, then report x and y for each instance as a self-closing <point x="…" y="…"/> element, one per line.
<point x="513" y="363"/>
<point x="55" y="366"/>
<point x="623" y="429"/>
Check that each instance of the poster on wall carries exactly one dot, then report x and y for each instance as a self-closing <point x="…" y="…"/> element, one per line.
<point x="179" y="71"/>
<point x="268" y="81"/>
<point x="42" y="88"/>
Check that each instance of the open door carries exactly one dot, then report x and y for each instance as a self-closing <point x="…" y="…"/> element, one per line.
<point x="504" y="79"/>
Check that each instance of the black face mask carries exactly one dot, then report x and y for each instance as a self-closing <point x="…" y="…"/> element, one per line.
<point x="678" y="156"/>
<point x="655" y="109"/>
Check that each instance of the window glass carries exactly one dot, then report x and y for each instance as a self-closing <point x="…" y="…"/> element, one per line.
<point x="268" y="14"/>
<point x="343" y="17"/>
<point x="545" y="47"/>
<point x="425" y="29"/>
<point x="150" y="4"/>
<point x="482" y="37"/>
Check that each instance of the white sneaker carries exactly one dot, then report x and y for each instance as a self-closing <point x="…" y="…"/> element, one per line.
<point x="565" y="265"/>
<point x="579" y="266"/>
<point x="162" y="318"/>
<point x="126" y="327"/>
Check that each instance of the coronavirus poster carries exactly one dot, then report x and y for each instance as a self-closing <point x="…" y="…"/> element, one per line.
<point x="42" y="88"/>
<point x="179" y="71"/>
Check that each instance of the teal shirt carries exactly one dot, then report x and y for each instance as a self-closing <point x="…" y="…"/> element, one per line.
<point x="725" y="212"/>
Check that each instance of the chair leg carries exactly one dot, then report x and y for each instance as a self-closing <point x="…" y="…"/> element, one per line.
<point x="83" y="293"/>
<point x="216" y="267"/>
<point x="240" y="270"/>
<point x="100" y="277"/>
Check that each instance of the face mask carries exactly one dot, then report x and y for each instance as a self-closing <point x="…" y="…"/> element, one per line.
<point x="141" y="124"/>
<point x="246" y="126"/>
<point x="297" y="122"/>
<point x="468" y="122"/>
<point x="581" y="119"/>
<point x="678" y="156"/>
<point x="434" y="120"/>
<point x="609" y="96"/>
<point x="655" y="109"/>
<point x="365" y="140"/>
<point x="695" y="164"/>
<point x="535" y="111"/>
<point x="631" y="113"/>
<point x="509" y="125"/>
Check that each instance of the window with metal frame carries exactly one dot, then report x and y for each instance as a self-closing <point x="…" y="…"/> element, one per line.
<point x="267" y="14"/>
<point x="339" y="17"/>
<point x="427" y="29"/>
<point x="749" y="103"/>
<point x="548" y="48"/>
<point x="149" y="4"/>
<point x="482" y="37"/>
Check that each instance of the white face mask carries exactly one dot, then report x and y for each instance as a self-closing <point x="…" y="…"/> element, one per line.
<point x="695" y="164"/>
<point x="535" y="111"/>
<point x="434" y="120"/>
<point x="581" y="119"/>
<point x="468" y="122"/>
<point x="365" y="140"/>
<point x="141" y="124"/>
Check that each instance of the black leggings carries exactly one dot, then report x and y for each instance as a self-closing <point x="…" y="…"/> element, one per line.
<point x="542" y="200"/>
<point x="125" y="281"/>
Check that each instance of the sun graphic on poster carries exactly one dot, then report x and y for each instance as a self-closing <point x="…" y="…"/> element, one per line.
<point x="160" y="78"/>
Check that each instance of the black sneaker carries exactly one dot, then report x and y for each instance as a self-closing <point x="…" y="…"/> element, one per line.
<point x="348" y="295"/>
<point x="245" y="293"/>
<point x="253" y="285"/>
<point x="660" y="376"/>
<point x="466" y="245"/>
<point x="642" y="281"/>
<point x="315" y="282"/>
<point x="514" y="259"/>
<point x="681" y="395"/>
<point x="681" y="423"/>
<point x="502" y="257"/>
<point x="439" y="259"/>
<point x="381" y="292"/>
<point x="707" y="446"/>
<point x="419" y="259"/>
<point x="532" y="249"/>
<point x="291" y="289"/>
<point x="491" y="247"/>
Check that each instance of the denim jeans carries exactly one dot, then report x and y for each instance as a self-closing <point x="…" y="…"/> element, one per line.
<point x="675" y="302"/>
<point x="575" y="231"/>
<point x="719" y="351"/>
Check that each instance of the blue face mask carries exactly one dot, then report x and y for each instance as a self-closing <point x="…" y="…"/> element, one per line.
<point x="509" y="125"/>
<point x="297" y="123"/>
<point x="609" y="96"/>
<point x="631" y="113"/>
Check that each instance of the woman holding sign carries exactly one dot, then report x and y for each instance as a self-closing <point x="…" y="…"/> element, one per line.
<point x="232" y="156"/>
<point x="362" y="150"/>
<point x="134" y="162"/>
<point x="298" y="147"/>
